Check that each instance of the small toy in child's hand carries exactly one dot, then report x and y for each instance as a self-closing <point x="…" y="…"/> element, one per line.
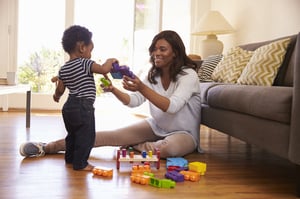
<point x="105" y="82"/>
<point x="118" y="71"/>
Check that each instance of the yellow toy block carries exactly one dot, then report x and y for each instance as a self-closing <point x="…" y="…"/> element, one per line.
<point x="199" y="167"/>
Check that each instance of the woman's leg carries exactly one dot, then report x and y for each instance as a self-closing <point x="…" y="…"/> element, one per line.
<point x="175" y="145"/>
<point x="55" y="146"/>
<point x="131" y="135"/>
<point x="141" y="137"/>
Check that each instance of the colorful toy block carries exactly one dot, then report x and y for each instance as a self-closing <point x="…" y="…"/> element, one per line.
<point x="105" y="82"/>
<point x="102" y="171"/>
<point x="140" y="169"/>
<point x="161" y="183"/>
<point x="175" y="176"/>
<point x="199" y="167"/>
<point x="177" y="161"/>
<point x="176" y="168"/>
<point x="191" y="175"/>
<point x="141" y="178"/>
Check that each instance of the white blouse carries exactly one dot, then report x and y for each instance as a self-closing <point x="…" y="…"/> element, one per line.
<point x="184" y="112"/>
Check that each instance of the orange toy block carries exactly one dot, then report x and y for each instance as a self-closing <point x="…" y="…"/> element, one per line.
<point x="141" y="178"/>
<point x="191" y="175"/>
<point x="102" y="171"/>
<point x="140" y="169"/>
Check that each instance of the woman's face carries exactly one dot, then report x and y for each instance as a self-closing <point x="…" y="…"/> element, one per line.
<point x="162" y="54"/>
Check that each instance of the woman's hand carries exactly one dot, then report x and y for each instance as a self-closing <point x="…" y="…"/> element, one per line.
<point x="132" y="84"/>
<point x="155" y="98"/>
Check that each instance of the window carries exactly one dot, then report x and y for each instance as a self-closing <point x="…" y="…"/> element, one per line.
<point x="39" y="50"/>
<point x="121" y="28"/>
<point x="123" y="31"/>
<point x="177" y="16"/>
<point x="111" y="26"/>
<point x="146" y="24"/>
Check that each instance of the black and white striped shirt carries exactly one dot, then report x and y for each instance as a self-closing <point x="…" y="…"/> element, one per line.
<point x="77" y="76"/>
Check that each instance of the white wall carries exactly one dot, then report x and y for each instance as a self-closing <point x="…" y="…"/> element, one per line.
<point x="253" y="20"/>
<point x="258" y="20"/>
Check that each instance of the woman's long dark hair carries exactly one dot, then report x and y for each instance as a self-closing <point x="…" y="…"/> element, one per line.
<point x="180" y="61"/>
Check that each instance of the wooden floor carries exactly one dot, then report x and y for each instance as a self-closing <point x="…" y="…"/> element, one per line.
<point x="234" y="169"/>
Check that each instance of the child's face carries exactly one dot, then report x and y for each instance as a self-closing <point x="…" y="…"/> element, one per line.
<point x="87" y="53"/>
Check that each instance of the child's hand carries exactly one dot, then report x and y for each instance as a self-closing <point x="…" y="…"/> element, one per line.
<point x="54" y="80"/>
<point x="55" y="98"/>
<point x="105" y="67"/>
<point x="60" y="88"/>
<point x="109" y="64"/>
<point x="111" y="61"/>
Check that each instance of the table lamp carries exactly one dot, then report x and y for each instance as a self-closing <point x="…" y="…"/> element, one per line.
<point x="212" y="24"/>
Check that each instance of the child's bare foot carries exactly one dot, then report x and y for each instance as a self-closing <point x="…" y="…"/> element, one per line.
<point x="68" y="165"/>
<point x="87" y="168"/>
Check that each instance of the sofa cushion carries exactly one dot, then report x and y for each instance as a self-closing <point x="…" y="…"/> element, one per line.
<point x="263" y="66"/>
<point x="231" y="66"/>
<point x="204" y="87"/>
<point x="207" y="67"/>
<point x="273" y="103"/>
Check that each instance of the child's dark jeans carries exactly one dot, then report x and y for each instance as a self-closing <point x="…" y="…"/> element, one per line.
<point x="79" y="119"/>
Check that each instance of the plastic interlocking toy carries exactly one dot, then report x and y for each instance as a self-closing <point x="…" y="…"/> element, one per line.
<point x="118" y="71"/>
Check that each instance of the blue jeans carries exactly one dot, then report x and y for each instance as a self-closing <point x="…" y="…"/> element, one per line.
<point x="79" y="118"/>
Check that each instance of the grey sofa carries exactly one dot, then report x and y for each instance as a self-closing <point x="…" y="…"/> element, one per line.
<point x="265" y="116"/>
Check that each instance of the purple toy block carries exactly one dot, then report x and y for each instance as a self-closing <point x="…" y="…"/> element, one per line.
<point x="174" y="175"/>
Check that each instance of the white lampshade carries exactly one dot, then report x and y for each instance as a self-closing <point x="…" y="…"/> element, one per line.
<point x="211" y="24"/>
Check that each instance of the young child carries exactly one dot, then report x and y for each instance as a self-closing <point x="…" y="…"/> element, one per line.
<point x="78" y="111"/>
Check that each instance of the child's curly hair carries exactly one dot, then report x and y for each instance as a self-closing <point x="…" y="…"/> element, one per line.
<point x="75" y="34"/>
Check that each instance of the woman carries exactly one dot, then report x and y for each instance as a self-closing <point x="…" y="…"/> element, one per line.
<point x="171" y="87"/>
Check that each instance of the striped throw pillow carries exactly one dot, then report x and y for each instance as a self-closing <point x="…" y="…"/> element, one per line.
<point x="208" y="66"/>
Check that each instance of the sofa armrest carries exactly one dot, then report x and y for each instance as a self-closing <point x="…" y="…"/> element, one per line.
<point x="294" y="146"/>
